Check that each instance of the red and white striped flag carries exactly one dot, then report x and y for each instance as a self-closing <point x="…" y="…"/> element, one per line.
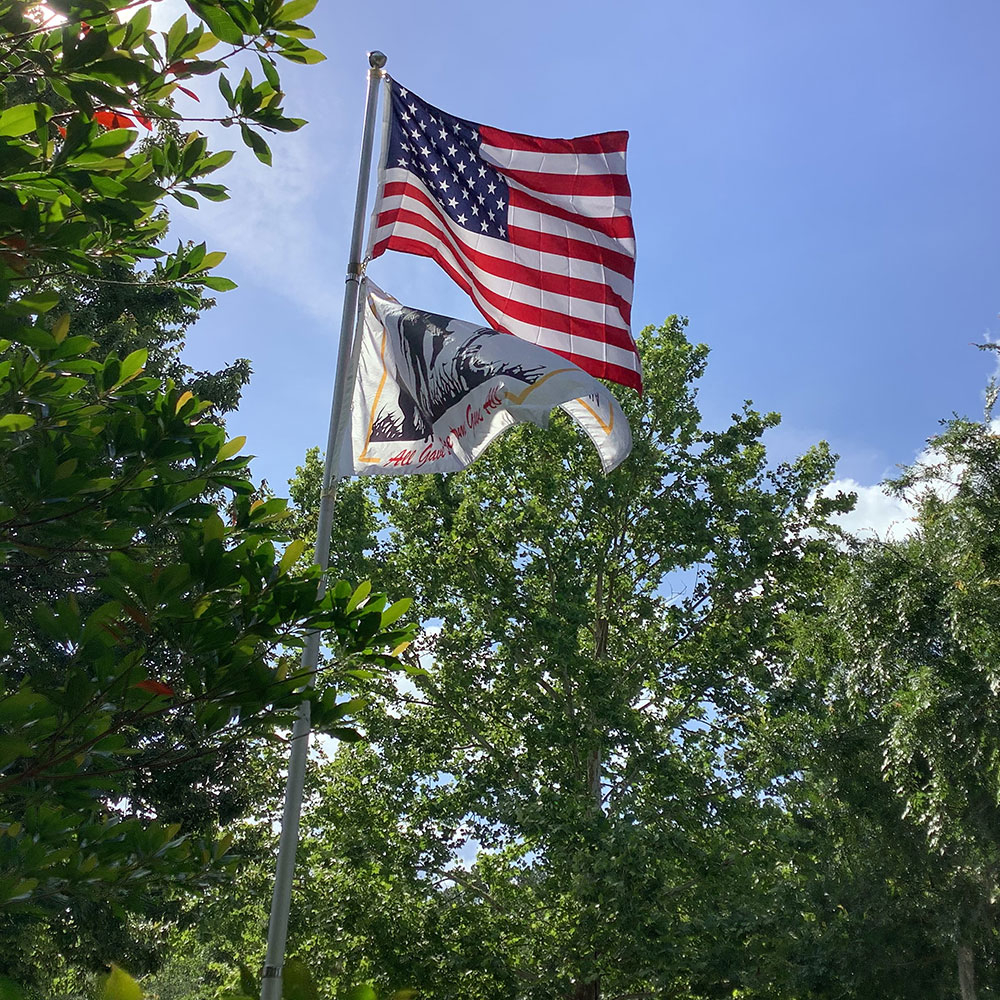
<point x="537" y="231"/>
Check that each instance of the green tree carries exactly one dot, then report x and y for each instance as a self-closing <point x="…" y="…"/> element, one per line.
<point x="549" y="811"/>
<point x="77" y="188"/>
<point x="128" y="309"/>
<point x="847" y="896"/>
<point x="153" y="601"/>
<point x="96" y="460"/>
<point x="915" y="652"/>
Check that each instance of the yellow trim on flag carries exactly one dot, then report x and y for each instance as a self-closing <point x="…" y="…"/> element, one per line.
<point x="607" y="428"/>
<point x="378" y="392"/>
<point x="534" y="385"/>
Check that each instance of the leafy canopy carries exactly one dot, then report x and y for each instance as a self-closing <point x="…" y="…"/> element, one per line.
<point x="153" y="600"/>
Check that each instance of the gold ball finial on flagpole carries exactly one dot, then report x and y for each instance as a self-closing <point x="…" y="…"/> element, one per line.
<point x="376" y="59"/>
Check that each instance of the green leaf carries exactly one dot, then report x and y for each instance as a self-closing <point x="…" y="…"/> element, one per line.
<point x="213" y="192"/>
<point x="297" y="981"/>
<point x="291" y="555"/>
<point x="361" y="592"/>
<point x="270" y="72"/>
<point x="231" y="448"/>
<point x="226" y="89"/>
<point x="9" y="990"/>
<point x="23" y="118"/>
<point x="113" y="142"/>
<point x="60" y="328"/>
<point x="17" y="890"/>
<point x="139" y="22"/>
<point x="210" y="260"/>
<point x="395" y="611"/>
<point x="362" y="992"/>
<point x="23" y="706"/>
<point x="344" y="734"/>
<point x="248" y="982"/>
<point x="217" y="283"/>
<point x="206" y="42"/>
<point x="132" y="365"/>
<point x="33" y="336"/>
<point x="176" y="35"/>
<point x="16" y="422"/>
<point x="219" y="22"/>
<point x="213" y="161"/>
<point x="119" y="985"/>
<point x="213" y="528"/>
<point x="256" y="143"/>
<point x="296" y="9"/>
<point x="301" y="54"/>
<point x="39" y="302"/>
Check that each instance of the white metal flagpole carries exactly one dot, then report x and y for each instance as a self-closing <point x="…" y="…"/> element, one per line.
<point x="277" y="930"/>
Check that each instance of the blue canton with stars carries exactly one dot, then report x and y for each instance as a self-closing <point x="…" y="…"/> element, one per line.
<point x="443" y="151"/>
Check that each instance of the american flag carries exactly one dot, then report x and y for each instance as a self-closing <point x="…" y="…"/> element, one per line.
<point x="536" y="231"/>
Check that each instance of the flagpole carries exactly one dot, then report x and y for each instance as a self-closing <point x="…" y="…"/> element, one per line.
<point x="277" y="930"/>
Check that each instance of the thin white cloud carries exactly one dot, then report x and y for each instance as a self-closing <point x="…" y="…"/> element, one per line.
<point x="276" y="225"/>
<point x="879" y="514"/>
<point x="286" y="226"/>
<point x="876" y="514"/>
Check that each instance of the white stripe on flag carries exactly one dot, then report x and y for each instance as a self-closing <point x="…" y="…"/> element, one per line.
<point x="554" y="163"/>
<point x="595" y="312"/>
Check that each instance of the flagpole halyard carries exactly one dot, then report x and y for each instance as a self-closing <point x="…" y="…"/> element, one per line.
<point x="277" y="932"/>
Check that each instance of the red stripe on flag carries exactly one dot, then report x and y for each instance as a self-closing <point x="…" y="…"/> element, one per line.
<point x="573" y="288"/>
<point x="576" y="288"/>
<point x="605" y="142"/>
<point x="521" y="311"/>
<point x="603" y="369"/>
<point x="616" y="227"/>
<point x="564" y="246"/>
<point x="600" y="185"/>
<point x="600" y="369"/>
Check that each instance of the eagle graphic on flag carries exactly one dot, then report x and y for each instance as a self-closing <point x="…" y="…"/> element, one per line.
<point x="431" y="393"/>
<point x="537" y="231"/>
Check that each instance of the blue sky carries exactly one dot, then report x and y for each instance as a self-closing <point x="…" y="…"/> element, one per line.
<point x="814" y="186"/>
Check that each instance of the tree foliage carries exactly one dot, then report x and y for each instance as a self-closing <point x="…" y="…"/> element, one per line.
<point x="76" y="186"/>
<point x="913" y="648"/>
<point x="551" y="806"/>
<point x="152" y="598"/>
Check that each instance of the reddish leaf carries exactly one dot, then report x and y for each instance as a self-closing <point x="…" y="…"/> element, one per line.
<point x="155" y="687"/>
<point x="113" y="632"/>
<point x="142" y="120"/>
<point x="190" y="93"/>
<point x="17" y="257"/>
<point x="15" y="261"/>
<point x="112" y="119"/>
<point x="175" y="67"/>
<point x="140" y="618"/>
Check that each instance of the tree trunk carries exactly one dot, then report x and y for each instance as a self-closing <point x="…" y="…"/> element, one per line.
<point x="587" y="991"/>
<point x="966" y="972"/>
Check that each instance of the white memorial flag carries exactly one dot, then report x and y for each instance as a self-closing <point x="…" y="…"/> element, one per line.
<point x="432" y="392"/>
